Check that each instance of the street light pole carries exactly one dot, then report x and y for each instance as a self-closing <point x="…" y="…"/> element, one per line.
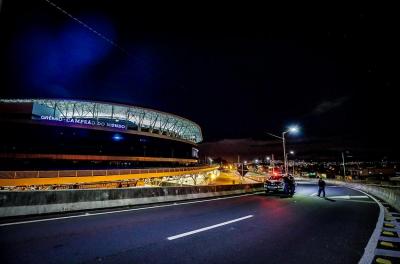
<point x="273" y="164"/>
<point x="344" y="167"/>
<point x="293" y="168"/>
<point x="284" y="148"/>
<point x="287" y="161"/>
<point x="293" y="129"/>
<point x="284" y="152"/>
<point x="241" y="176"/>
<point x="292" y="152"/>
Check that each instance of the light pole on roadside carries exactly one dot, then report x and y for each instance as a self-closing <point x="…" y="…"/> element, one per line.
<point x="291" y="153"/>
<point x="293" y="167"/>
<point x="242" y="174"/>
<point x="344" y="167"/>
<point x="292" y="129"/>
<point x="268" y="159"/>
<point x="273" y="163"/>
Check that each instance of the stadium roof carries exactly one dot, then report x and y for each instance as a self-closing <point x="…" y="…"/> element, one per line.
<point x="143" y="119"/>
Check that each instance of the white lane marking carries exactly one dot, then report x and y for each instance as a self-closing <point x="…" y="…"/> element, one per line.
<point x="369" y="252"/>
<point x="209" y="227"/>
<point x="349" y="197"/>
<point x="314" y="194"/>
<point x="125" y="210"/>
<point x="333" y="186"/>
<point x="359" y="196"/>
<point x="357" y="201"/>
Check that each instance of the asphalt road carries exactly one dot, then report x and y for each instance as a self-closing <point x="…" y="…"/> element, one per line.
<point x="244" y="229"/>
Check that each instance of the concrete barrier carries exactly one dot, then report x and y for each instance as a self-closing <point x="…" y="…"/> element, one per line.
<point x="389" y="194"/>
<point x="42" y="202"/>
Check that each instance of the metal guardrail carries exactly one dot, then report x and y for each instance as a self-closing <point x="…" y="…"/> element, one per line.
<point x="88" y="173"/>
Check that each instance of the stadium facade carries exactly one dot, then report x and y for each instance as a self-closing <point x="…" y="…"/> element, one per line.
<point x="73" y="134"/>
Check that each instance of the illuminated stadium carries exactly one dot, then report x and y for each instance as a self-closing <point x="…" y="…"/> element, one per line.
<point x="64" y="134"/>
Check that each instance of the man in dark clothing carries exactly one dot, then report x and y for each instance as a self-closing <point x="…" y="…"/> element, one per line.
<point x="286" y="189"/>
<point x="292" y="185"/>
<point x="321" y="187"/>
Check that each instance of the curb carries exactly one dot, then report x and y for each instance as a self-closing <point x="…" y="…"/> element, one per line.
<point x="384" y="244"/>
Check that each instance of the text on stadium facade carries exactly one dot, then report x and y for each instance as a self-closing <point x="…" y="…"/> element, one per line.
<point x="83" y="122"/>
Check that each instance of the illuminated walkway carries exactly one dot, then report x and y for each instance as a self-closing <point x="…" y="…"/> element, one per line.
<point x="28" y="178"/>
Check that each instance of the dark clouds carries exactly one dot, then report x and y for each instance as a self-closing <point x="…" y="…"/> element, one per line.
<point x="327" y="106"/>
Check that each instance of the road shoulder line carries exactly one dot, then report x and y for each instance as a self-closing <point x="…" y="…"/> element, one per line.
<point x="122" y="211"/>
<point x="369" y="251"/>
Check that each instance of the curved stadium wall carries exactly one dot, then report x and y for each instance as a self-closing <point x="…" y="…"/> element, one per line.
<point x="65" y="134"/>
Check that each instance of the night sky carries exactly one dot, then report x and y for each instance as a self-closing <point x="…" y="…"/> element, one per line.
<point x="238" y="71"/>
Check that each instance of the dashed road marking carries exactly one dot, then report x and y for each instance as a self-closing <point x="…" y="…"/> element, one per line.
<point x="208" y="227"/>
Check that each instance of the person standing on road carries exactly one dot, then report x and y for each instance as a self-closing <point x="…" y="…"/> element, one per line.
<point x="286" y="185"/>
<point x="321" y="187"/>
<point x="292" y="185"/>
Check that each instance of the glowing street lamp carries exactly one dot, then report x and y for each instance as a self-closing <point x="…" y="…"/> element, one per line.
<point x="292" y="130"/>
